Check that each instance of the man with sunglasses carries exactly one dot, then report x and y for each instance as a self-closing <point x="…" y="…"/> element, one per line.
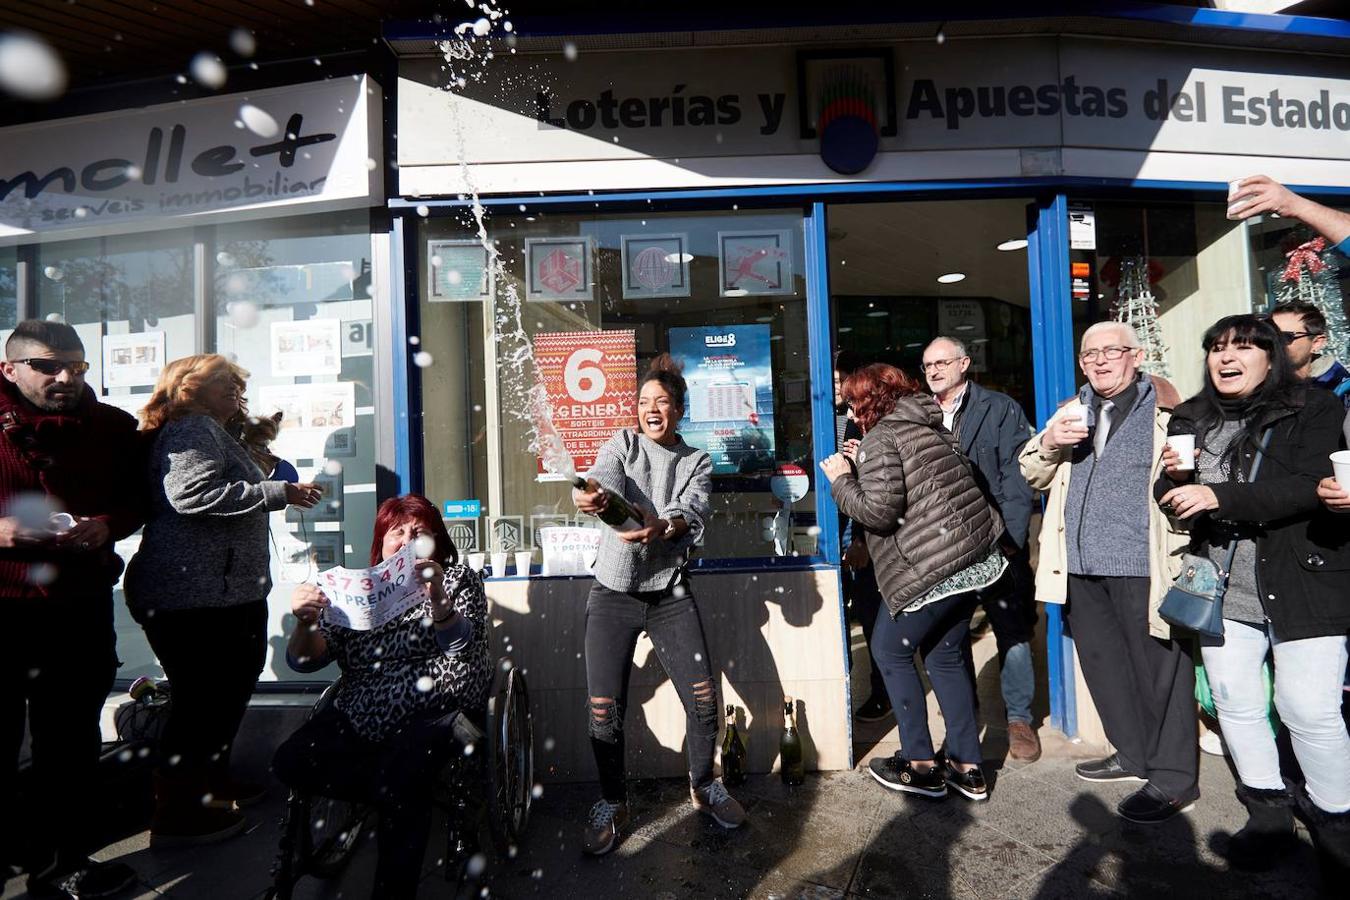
<point x="72" y="478"/>
<point x="1108" y="553"/>
<point x="991" y="430"/>
<point x="1304" y="329"/>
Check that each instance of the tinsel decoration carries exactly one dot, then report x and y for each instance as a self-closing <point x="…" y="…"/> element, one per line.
<point x="1136" y="306"/>
<point x="1311" y="276"/>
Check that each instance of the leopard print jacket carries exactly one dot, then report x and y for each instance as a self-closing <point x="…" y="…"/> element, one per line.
<point x="397" y="672"/>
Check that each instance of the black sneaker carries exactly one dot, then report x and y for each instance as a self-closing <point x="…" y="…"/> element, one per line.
<point x="1108" y="769"/>
<point x="1149" y="806"/>
<point x="88" y="879"/>
<point x="899" y="774"/>
<point x="968" y="784"/>
<point x="877" y="707"/>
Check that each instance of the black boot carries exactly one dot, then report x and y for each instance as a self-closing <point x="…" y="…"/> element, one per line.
<point x="1269" y="832"/>
<point x="1331" y="836"/>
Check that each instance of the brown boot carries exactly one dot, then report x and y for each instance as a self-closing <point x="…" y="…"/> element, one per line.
<point x="183" y="817"/>
<point x="1023" y="743"/>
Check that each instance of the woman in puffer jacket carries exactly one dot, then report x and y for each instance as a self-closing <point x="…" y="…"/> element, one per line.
<point x="933" y="539"/>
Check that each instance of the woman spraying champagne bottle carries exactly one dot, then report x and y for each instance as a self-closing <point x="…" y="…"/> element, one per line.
<point x="641" y="584"/>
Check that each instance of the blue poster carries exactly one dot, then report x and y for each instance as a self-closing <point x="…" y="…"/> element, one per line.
<point x="730" y="405"/>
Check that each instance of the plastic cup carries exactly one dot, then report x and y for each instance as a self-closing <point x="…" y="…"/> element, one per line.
<point x="1340" y="465"/>
<point x="1184" y="446"/>
<point x="1076" y="410"/>
<point x="1236" y="203"/>
<point x="499" y="564"/>
<point x="477" y="561"/>
<point x="523" y="558"/>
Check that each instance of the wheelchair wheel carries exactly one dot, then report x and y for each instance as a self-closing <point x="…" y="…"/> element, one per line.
<point x="335" y="828"/>
<point x="510" y="761"/>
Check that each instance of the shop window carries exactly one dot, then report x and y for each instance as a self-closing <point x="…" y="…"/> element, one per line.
<point x="292" y="304"/>
<point x="9" y="287"/>
<point x="723" y="292"/>
<point x="1172" y="269"/>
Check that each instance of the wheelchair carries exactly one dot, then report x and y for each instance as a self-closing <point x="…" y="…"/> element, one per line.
<point x="487" y="786"/>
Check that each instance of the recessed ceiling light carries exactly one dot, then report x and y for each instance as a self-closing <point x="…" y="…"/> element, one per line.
<point x="1014" y="244"/>
<point x="877" y="314"/>
<point x="951" y="278"/>
<point x="914" y="345"/>
<point x="845" y="329"/>
<point x="964" y="327"/>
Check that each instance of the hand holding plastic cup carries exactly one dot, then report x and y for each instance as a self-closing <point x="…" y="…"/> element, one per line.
<point x="1237" y="201"/>
<point x="1340" y="466"/>
<point x="1076" y="410"/>
<point x="1183" y="445"/>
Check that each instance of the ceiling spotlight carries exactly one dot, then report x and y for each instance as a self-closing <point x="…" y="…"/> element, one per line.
<point x="951" y="278"/>
<point x="1014" y="244"/>
<point x="877" y="314"/>
<point x="966" y="326"/>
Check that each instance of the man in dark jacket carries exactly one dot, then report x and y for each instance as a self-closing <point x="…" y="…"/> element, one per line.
<point x="71" y="473"/>
<point x="991" y="430"/>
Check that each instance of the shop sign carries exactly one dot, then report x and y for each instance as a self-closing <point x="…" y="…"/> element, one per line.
<point x="598" y="118"/>
<point x="303" y="146"/>
<point x="1082" y="228"/>
<point x="461" y="509"/>
<point x="789" y="483"/>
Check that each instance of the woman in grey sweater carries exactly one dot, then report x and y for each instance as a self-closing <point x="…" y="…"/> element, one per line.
<point x="198" y="586"/>
<point x="641" y="584"/>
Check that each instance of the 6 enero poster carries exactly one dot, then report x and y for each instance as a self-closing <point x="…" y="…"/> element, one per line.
<point x="591" y="381"/>
<point x="730" y="404"/>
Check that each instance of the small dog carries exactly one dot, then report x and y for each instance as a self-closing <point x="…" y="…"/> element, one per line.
<point x="257" y="436"/>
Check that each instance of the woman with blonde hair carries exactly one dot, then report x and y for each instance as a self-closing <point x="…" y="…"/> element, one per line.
<point x="198" y="585"/>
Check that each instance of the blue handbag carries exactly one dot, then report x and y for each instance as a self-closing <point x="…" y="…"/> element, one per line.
<point x="1195" y="599"/>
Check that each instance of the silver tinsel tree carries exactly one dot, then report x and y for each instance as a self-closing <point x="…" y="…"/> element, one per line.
<point x="1136" y="306"/>
<point x="1311" y="275"/>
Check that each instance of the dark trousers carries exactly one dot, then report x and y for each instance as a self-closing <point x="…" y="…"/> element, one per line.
<point x="863" y="597"/>
<point x="212" y="657"/>
<point x="57" y="663"/>
<point x="326" y="757"/>
<point x="1010" y="606"/>
<point x="1144" y="688"/>
<point x="614" y="621"/>
<point x="939" y="631"/>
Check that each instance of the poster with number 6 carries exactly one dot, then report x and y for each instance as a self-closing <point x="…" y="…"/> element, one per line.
<point x="591" y="381"/>
<point x="365" y="599"/>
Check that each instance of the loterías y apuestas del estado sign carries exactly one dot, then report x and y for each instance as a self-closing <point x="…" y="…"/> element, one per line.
<point x="265" y="153"/>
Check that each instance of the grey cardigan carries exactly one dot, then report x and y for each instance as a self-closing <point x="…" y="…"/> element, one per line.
<point x="206" y="542"/>
<point x="672" y="481"/>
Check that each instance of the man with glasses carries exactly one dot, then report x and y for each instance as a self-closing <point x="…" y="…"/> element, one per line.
<point x="71" y="481"/>
<point x="1109" y="552"/>
<point x="991" y="430"/>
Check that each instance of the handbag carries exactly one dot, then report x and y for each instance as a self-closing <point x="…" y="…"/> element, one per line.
<point x="1195" y="599"/>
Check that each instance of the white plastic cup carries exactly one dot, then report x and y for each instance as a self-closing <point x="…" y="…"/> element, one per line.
<point x="477" y="560"/>
<point x="1076" y="410"/>
<point x="1184" y="446"/>
<point x="1236" y="203"/>
<point x="523" y="558"/>
<point x="499" y="564"/>
<point x="1340" y="465"/>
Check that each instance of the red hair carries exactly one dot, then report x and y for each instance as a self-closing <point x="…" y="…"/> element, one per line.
<point x="397" y="510"/>
<point x="873" y="390"/>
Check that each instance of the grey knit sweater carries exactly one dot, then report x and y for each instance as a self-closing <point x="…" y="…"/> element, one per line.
<point x="206" y="541"/>
<point x="672" y="481"/>
<point x="1241" y="602"/>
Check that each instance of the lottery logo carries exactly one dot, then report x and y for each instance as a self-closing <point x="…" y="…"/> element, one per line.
<point x="559" y="272"/>
<point x="652" y="269"/>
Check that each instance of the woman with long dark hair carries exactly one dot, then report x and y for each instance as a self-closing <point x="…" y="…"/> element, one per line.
<point x="641" y="584"/>
<point x="933" y="540"/>
<point x="1286" y="589"/>
<point x="390" y="731"/>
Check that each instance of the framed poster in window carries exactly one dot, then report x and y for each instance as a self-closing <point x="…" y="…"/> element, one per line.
<point x="559" y="269"/>
<point x="754" y="263"/>
<point x="655" y="265"/>
<point x="458" y="272"/>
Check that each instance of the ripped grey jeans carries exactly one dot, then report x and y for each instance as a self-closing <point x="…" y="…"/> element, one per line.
<point x="614" y="620"/>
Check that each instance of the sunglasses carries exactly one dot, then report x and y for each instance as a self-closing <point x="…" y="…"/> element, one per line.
<point x="1290" y="336"/>
<point x="54" y="366"/>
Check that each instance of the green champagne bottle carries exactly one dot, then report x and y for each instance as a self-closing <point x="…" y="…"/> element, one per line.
<point x="618" y="512"/>
<point x="791" y="767"/>
<point x="733" y="752"/>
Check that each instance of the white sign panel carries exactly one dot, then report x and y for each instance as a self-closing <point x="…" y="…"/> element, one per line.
<point x="365" y="599"/>
<point x="132" y="360"/>
<point x="308" y="145"/>
<point x="307" y="347"/>
<point x="568" y="550"/>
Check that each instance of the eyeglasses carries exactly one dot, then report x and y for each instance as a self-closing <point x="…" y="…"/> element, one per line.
<point x="1107" y="353"/>
<point x="54" y="366"/>
<point x="1290" y="336"/>
<point x="941" y="363"/>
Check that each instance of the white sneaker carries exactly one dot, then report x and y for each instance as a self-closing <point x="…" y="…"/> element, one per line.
<point x="1211" y="743"/>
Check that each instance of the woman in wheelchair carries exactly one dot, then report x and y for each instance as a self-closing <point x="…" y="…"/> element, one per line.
<point x="389" y="733"/>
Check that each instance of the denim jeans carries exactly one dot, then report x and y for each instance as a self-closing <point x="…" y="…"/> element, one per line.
<point x="938" y="631"/>
<point x="614" y="620"/>
<point x="1308" y="677"/>
<point x="1011" y="608"/>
